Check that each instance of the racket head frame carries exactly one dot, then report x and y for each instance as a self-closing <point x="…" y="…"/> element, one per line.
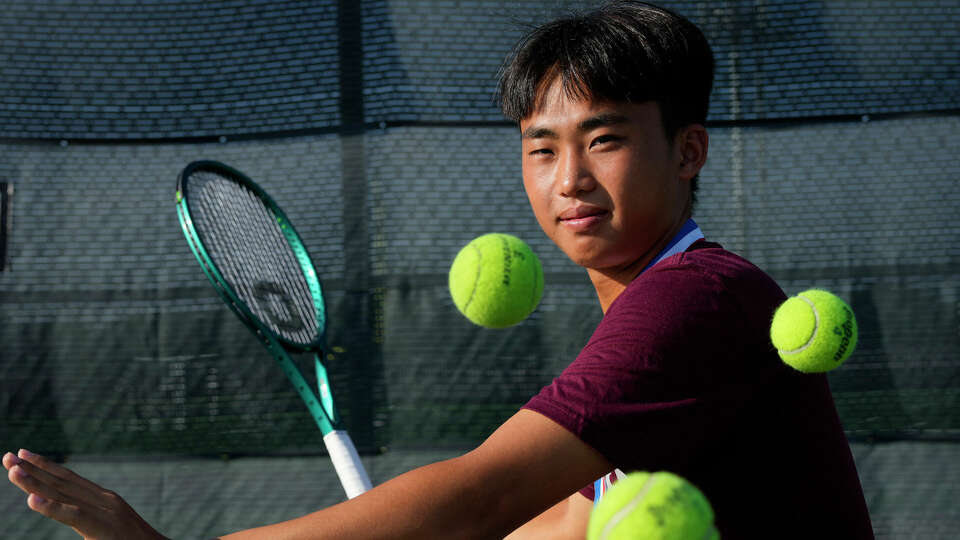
<point x="342" y="452"/>
<point x="320" y="403"/>
<point x="212" y="271"/>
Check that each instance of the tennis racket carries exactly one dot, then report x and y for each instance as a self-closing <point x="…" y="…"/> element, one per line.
<point x="259" y="266"/>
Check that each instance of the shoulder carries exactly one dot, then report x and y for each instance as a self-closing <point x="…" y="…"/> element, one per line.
<point x="705" y="279"/>
<point x="688" y="305"/>
<point x="706" y="265"/>
<point x="711" y="258"/>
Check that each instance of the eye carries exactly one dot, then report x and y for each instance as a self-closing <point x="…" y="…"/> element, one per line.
<point x="541" y="152"/>
<point x="606" y="139"/>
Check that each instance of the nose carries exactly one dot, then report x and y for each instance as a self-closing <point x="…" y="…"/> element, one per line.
<point x="576" y="176"/>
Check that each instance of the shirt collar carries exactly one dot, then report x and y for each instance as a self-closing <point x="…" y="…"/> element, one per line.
<point x="687" y="235"/>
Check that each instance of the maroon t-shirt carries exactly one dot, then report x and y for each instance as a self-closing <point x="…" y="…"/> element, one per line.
<point x="680" y="375"/>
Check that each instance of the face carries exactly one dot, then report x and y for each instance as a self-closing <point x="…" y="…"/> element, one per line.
<point x="605" y="183"/>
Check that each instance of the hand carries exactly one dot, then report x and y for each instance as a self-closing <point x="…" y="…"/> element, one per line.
<point x="60" y="494"/>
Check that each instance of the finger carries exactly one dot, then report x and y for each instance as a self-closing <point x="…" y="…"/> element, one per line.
<point x="9" y="460"/>
<point x="92" y="522"/>
<point x="65" y="513"/>
<point x="37" y="462"/>
<point x="34" y="479"/>
<point x="31" y="485"/>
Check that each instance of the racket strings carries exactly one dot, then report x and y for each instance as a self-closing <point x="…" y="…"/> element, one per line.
<point x="243" y="238"/>
<point x="271" y="267"/>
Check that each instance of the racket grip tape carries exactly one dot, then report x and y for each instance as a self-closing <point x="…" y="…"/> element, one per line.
<point x="347" y="462"/>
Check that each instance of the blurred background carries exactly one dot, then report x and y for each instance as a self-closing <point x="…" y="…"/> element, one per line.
<point x="833" y="163"/>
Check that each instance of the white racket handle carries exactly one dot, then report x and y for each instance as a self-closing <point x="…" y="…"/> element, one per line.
<point x="347" y="463"/>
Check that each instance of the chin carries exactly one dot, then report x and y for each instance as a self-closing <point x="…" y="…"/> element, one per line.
<point x="590" y="255"/>
<point x="589" y="262"/>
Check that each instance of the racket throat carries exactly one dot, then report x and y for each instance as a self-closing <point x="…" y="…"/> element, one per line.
<point x="323" y="391"/>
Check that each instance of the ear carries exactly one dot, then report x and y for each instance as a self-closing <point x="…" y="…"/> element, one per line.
<point x="691" y="146"/>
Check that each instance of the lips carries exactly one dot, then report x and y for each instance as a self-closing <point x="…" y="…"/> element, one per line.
<point x="582" y="218"/>
<point x="581" y="212"/>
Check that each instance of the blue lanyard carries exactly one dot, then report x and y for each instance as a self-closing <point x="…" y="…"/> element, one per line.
<point x="688" y="234"/>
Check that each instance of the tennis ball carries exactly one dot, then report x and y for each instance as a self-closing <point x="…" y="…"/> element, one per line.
<point x="652" y="506"/>
<point x="814" y="331"/>
<point x="496" y="280"/>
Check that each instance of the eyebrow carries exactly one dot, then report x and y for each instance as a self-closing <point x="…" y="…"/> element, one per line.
<point x="594" y="122"/>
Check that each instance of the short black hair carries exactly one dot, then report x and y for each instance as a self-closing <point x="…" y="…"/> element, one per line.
<point x="624" y="51"/>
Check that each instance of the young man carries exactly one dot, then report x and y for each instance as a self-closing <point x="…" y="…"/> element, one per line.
<point x="678" y="376"/>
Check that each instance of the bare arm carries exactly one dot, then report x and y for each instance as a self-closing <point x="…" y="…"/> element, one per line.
<point x="528" y="465"/>
<point x="566" y="520"/>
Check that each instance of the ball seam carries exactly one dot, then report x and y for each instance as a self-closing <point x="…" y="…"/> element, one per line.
<point x="619" y="516"/>
<point x="816" y="327"/>
<point x="476" y="279"/>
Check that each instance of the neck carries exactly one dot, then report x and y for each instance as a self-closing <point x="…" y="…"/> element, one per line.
<point x="611" y="282"/>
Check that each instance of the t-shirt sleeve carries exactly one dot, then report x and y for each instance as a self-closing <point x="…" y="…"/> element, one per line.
<point x="670" y="364"/>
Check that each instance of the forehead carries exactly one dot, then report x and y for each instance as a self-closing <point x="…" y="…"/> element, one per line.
<point x="557" y="108"/>
<point x="553" y="93"/>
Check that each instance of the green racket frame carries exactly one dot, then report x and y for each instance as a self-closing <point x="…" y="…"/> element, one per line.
<point x="323" y="411"/>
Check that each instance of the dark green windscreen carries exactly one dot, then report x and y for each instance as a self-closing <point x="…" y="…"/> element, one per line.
<point x="832" y="164"/>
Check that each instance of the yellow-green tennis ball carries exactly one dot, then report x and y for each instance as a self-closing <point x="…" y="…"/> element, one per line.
<point x="652" y="506"/>
<point x="496" y="280"/>
<point x="814" y="331"/>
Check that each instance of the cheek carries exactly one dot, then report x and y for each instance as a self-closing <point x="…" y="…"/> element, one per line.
<point x="538" y="193"/>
